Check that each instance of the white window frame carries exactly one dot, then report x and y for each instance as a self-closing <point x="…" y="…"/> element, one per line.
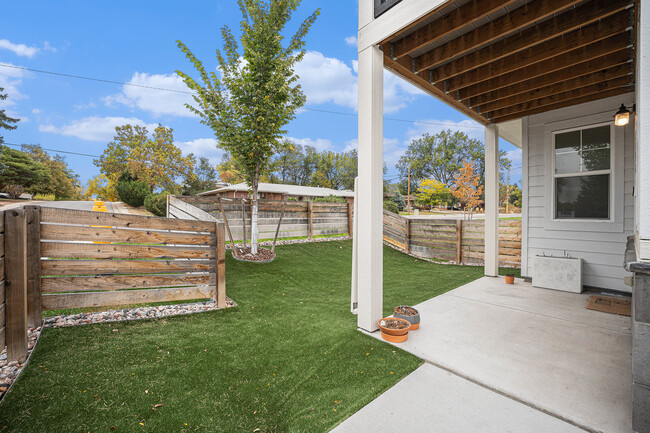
<point x="616" y="222"/>
<point x="610" y="171"/>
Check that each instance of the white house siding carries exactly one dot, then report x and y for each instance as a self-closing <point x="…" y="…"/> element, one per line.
<point x="601" y="246"/>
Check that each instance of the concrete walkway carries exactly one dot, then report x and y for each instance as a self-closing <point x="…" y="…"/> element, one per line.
<point x="533" y="346"/>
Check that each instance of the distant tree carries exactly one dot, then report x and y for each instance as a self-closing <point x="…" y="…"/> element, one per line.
<point x="398" y="199"/>
<point x="441" y="155"/>
<point x="515" y="195"/>
<point x="229" y="171"/>
<point x="286" y="163"/>
<point x="65" y="183"/>
<point x="6" y="122"/>
<point x="131" y="190"/>
<point x="20" y="169"/>
<point x="389" y="205"/>
<point x="205" y="178"/>
<point x="156" y="161"/>
<point x="257" y="93"/>
<point x="97" y="188"/>
<point x="433" y="193"/>
<point x="467" y="188"/>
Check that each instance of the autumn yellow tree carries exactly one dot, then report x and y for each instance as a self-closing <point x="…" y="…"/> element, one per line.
<point x="153" y="160"/>
<point x="432" y="193"/>
<point x="467" y="188"/>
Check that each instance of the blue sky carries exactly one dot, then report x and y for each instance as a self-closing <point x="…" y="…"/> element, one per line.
<point x="134" y="42"/>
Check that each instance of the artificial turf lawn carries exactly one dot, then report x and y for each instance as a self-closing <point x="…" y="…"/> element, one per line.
<point x="288" y="358"/>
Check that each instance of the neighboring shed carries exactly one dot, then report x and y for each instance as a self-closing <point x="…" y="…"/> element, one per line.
<point x="277" y="191"/>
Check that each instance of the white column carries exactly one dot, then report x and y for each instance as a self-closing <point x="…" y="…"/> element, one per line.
<point x="370" y="195"/>
<point x="491" y="201"/>
<point x="643" y="132"/>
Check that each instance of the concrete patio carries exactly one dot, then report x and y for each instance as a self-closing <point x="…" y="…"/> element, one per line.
<point x="499" y="357"/>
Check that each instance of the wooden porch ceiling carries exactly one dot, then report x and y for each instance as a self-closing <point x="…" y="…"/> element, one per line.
<point x="499" y="60"/>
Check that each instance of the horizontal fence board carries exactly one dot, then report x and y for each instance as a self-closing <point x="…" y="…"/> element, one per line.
<point x="99" y="234"/>
<point x="2" y="291"/>
<point x="100" y="299"/>
<point x="394" y="242"/>
<point x="2" y="245"/>
<point x="66" y="216"/>
<point x="2" y="268"/>
<point x="3" y="342"/>
<point x="106" y="251"/>
<point x="119" y="282"/>
<point x="435" y="244"/>
<point x="107" y="266"/>
<point x="2" y="315"/>
<point x="433" y="222"/>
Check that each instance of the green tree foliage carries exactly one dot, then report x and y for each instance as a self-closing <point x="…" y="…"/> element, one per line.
<point x="205" y="178"/>
<point x="156" y="204"/>
<point x="256" y="93"/>
<point x="431" y="192"/>
<point x="6" y="122"/>
<point x="441" y="155"/>
<point x="65" y="183"/>
<point x="20" y="169"/>
<point x="131" y="191"/>
<point x="154" y="160"/>
<point x="398" y="199"/>
<point x="391" y="206"/>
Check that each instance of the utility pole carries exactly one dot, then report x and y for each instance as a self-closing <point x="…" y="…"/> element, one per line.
<point x="408" y="194"/>
<point x="508" y="190"/>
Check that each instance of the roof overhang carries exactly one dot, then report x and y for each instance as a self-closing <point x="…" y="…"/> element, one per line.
<point x="500" y="60"/>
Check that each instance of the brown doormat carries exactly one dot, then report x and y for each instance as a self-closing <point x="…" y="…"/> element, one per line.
<point x="622" y="307"/>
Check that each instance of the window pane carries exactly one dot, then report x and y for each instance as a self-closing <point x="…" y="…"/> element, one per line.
<point x="595" y="159"/>
<point x="595" y="138"/>
<point x="568" y="162"/>
<point x="584" y="197"/>
<point x="568" y="141"/>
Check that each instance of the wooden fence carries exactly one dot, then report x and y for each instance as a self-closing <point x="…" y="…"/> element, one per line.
<point x="452" y="240"/>
<point x="2" y="280"/>
<point x="60" y="258"/>
<point x="300" y="218"/>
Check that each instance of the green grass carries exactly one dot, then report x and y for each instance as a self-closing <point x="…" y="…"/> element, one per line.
<point x="288" y="358"/>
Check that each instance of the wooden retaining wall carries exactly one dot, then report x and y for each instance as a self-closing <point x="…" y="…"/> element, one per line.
<point x="452" y="240"/>
<point x="60" y="258"/>
<point x="301" y="218"/>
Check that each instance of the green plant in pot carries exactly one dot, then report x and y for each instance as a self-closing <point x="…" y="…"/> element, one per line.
<point x="510" y="278"/>
<point x="409" y="314"/>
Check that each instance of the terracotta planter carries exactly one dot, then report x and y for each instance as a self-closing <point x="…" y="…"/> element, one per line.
<point x="510" y="279"/>
<point x="393" y="334"/>
<point x="401" y="312"/>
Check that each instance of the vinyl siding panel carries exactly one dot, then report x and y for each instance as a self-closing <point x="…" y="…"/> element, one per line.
<point x="601" y="246"/>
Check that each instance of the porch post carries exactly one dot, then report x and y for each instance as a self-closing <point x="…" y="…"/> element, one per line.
<point x="491" y="201"/>
<point x="642" y="87"/>
<point x="370" y="193"/>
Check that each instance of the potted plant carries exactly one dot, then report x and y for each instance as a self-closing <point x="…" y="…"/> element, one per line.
<point x="409" y="314"/>
<point x="394" y="330"/>
<point x="510" y="278"/>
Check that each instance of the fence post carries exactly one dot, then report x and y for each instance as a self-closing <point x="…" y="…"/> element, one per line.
<point x="2" y="281"/>
<point x="350" y="219"/>
<point x="459" y="241"/>
<point x="221" y="266"/>
<point x="407" y="236"/>
<point x="33" y="264"/>
<point x="16" y="285"/>
<point x="310" y="216"/>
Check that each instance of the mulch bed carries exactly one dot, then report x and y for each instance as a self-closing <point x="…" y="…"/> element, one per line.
<point x="263" y="255"/>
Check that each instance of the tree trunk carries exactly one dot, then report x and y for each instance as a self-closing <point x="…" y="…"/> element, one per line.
<point x="254" y="228"/>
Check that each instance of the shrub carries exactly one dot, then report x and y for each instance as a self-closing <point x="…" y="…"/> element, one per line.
<point x="389" y="205"/>
<point x="156" y="204"/>
<point x="329" y="199"/>
<point x="132" y="191"/>
<point x="44" y="197"/>
<point x="398" y="199"/>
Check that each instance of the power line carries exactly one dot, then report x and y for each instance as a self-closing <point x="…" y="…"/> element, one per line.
<point x="51" y="150"/>
<point x="101" y="80"/>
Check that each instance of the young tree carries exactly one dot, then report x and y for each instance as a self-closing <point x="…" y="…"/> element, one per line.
<point x="256" y="94"/>
<point x="433" y="193"/>
<point x="398" y="199"/>
<point x="467" y="188"/>
<point x="155" y="161"/>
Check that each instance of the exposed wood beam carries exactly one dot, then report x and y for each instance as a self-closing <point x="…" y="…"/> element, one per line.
<point x="423" y="84"/>
<point x="571" y="58"/>
<point x="620" y="60"/>
<point x="513" y="21"/>
<point x="584" y="37"/>
<point x="446" y="24"/>
<point x="562" y="96"/>
<point x="605" y="76"/>
<point x="565" y="103"/>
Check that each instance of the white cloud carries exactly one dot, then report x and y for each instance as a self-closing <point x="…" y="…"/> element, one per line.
<point x="351" y="145"/>
<point x="18" y="49"/>
<point x="84" y="106"/>
<point x="327" y="79"/>
<point x="36" y="111"/>
<point x="393" y="149"/>
<point x="94" y="128"/>
<point x="48" y="47"/>
<point x="206" y="147"/>
<point x="319" y="144"/>
<point x="351" y="41"/>
<point x="156" y="102"/>
<point x="433" y="126"/>
<point x="10" y="79"/>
